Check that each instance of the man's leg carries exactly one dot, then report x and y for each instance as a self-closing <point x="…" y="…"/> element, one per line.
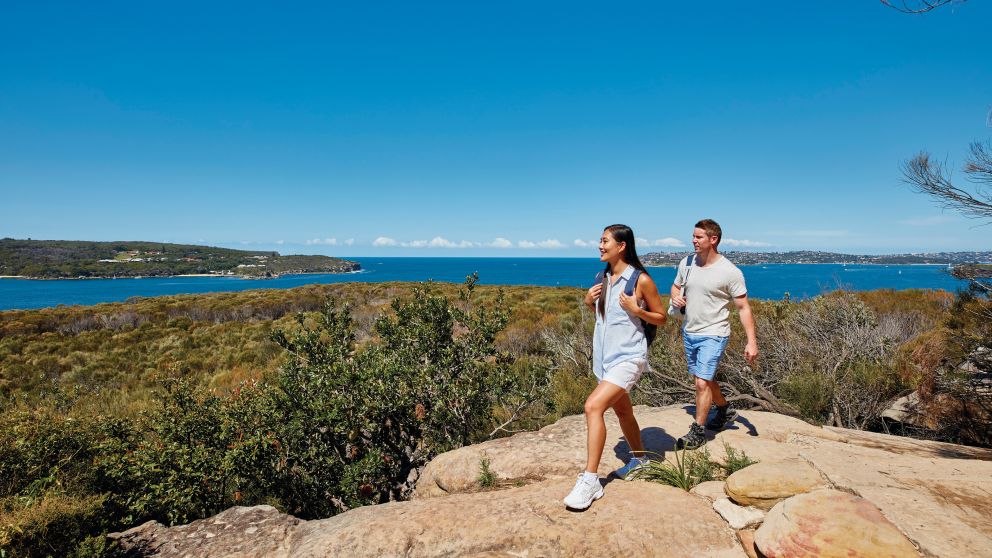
<point x="718" y="399"/>
<point x="704" y="398"/>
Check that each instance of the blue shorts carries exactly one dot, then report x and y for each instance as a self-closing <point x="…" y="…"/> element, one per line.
<point x="703" y="353"/>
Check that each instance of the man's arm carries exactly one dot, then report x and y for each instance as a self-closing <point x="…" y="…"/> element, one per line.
<point x="747" y="320"/>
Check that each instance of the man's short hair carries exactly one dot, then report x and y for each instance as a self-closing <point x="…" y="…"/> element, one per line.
<point x="712" y="228"/>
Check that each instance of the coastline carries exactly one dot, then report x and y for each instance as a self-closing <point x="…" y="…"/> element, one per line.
<point x="274" y="276"/>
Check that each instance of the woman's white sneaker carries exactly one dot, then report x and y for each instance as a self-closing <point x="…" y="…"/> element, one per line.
<point x="586" y="491"/>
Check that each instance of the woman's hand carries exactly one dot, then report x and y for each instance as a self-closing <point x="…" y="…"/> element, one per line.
<point x="593" y="294"/>
<point x="629" y="303"/>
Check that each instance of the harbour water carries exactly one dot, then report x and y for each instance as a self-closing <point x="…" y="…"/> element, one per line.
<point x="771" y="281"/>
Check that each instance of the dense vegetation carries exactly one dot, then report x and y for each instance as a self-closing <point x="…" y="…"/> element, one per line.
<point x="326" y="397"/>
<point x="60" y="259"/>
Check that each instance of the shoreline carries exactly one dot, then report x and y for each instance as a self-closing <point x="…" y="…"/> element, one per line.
<point x="218" y="275"/>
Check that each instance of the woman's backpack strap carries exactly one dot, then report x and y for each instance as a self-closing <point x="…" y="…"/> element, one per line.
<point x="632" y="283"/>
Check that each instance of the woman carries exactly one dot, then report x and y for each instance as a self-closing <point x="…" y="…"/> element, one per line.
<point x="620" y="350"/>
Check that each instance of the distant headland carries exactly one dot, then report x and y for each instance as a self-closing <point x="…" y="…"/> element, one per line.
<point x="813" y="257"/>
<point x="72" y="259"/>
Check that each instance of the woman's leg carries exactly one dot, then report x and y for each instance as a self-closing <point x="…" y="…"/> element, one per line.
<point x="601" y="399"/>
<point x="631" y="430"/>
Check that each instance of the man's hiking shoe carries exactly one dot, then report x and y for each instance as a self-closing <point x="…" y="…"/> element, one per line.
<point x="587" y="490"/>
<point x="695" y="438"/>
<point x="724" y="416"/>
<point x="627" y="471"/>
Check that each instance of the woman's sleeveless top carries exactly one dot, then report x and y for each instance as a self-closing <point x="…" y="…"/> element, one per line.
<point x="619" y="336"/>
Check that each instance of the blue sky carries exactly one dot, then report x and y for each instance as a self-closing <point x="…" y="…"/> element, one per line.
<point x="486" y="129"/>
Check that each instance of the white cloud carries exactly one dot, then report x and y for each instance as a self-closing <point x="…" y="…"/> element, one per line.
<point x="500" y="242"/>
<point x="929" y="221"/>
<point x="583" y="243"/>
<point x="734" y="243"/>
<point x="438" y="242"/>
<point x="322" y="242"/>
<point x="280" y="242"/>
<point x="551" y="243"/>
<point x="441" y="242"/>
<point x="668" y="242"/>
<point x="349" y="242"/>
<point x="384" y="241"/>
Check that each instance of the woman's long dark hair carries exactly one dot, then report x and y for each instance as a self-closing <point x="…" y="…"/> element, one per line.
<point x="620" y="233"/>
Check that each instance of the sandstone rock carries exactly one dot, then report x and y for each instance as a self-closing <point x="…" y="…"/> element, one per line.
<point x="632" y="519"/>
<point x="746" y="537"/>
<point x="827" y="524"/>
<point x="738" y="517"/>
<point x="765" y="484"/>
<point x="240" y="532"/>
<point x="901" y="444"/>
<point x="711" y="490"/>
<point x="941" y="504"/>
<point x="559" y="450"/>
<point x="937" y="494"/>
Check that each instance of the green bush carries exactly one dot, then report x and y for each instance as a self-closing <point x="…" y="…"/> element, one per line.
<point x="735" y="459"/>
<point x="687" y="469"/>
<point x="338" y="426"/>
<point x="487" y="478"/>
<point x="51" y="525"/>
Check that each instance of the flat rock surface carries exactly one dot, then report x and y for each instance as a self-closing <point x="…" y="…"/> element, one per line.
<point x="558" y="450"/>
<point x="633" y="519"/>
<point x="830" y="524"/>
<point x="941" y="504"/>
<point x="240" y="532"/>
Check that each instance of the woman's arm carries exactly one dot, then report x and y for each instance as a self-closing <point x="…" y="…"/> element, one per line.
<point x="654" y="311"/>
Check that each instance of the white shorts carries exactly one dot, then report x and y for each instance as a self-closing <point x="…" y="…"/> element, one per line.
<point x="625" y="374"/>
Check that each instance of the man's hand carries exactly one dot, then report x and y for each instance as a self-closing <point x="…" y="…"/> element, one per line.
<point x="751" y="352"/>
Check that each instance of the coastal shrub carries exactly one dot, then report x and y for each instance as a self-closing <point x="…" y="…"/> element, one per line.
<point x="53" y="525"/>
<point x="830" y="359"/>
<point x="684" y="470"/>
<point x="735" y="459"/>
<point x="358" y="424"/>
<point x="487" y="478"/>
<point x="809" y="392"/>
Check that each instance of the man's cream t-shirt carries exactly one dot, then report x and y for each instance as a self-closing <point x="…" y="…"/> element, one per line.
<point x="709" y="293"/>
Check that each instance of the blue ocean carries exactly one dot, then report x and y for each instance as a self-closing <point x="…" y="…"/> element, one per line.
<point x="771" y="281"/>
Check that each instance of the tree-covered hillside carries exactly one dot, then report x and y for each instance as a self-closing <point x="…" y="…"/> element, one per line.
<point x="70" y="259"/>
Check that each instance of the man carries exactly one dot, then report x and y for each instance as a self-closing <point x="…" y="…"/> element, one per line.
<point x="706" y="287"/>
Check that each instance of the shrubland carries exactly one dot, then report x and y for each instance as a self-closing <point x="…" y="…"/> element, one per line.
<point x="326" y="397"/>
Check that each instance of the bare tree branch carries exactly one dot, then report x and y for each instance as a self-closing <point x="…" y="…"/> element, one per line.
<point x="931" y="178"/>
<point x="917" y="6"/>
